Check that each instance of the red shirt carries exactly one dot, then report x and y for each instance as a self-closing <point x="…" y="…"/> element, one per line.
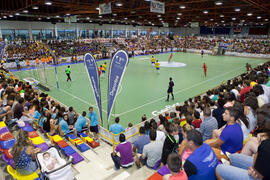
<point x="243" y="92"/>
<point x="180" y="176"/>
<point x="204" y="66"/>
<point x="197" y="123"/>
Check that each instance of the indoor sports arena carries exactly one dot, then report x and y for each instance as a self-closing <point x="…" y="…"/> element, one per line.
<point x="134" y="89"/>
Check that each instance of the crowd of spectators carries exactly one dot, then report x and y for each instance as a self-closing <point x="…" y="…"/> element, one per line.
<point x="22" y="102"/>
<point x="229" y="124"/>
<point x="23" y="50"/>
<point x="141" y="44"/>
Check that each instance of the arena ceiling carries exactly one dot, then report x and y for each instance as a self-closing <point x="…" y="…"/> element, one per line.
<point x="178" y="13"/>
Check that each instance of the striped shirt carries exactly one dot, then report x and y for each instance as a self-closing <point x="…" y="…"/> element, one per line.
<point x="207" y="127"/>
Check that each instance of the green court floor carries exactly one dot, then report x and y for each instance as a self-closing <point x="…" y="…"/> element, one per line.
<point x="142" y="90"/>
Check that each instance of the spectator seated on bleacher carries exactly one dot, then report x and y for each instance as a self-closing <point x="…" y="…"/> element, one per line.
<point x="65" y="128"/>
<point x="183" y="150"/>
<point x="248" y="167"/>
<point x="81" y="124"/>
<point x="208" y="125"/>
<point x="23" y="154"/>
<point x="175" y="166"/>
<point x="125" y="149"/>
<point x="152" y="152"/>
<point x="160" y="134"/>
<point x="201" y="164"/>
<point x="196" y="122"/>
<point x="141" y="141"/>
<point x="116" y="128"/>
<point x="231" y="137"/>
<point x="71" y="116"/>
<point x="218" y="113"/>
<point x="170" y="144"/>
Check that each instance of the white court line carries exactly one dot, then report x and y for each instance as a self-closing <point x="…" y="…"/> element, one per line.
<point x="177" y="92"/>
<point x="76" y="97"/>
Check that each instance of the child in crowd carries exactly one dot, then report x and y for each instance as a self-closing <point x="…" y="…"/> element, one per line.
<point x="175" y="166"/>
<point x="50" y="161"/>
<point x="130" y="125"/>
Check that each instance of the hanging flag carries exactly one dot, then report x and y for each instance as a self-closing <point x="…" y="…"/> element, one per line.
<point x="157" y="7"/>
<point x="105" y="8"/>
<point x="92" y="71"/>
<point x="117" y="70"/>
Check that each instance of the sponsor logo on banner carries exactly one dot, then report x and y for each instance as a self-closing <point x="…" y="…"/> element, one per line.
<point x="92" y="71"/>
<point x="157" y="7"/>
<point x="117" y="70"/>
<point x="105" y="8"/>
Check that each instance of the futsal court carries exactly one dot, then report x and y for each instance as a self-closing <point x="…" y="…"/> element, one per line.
<point x="143" y="90"/>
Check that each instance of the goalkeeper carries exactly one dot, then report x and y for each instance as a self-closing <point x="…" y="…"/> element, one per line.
<point x="68" y="72"/>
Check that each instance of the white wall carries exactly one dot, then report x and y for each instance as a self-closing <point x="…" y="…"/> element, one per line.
<point x="31" y="25"/>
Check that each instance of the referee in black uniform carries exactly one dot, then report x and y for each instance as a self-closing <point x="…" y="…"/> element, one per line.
<point x="170" y="89"/>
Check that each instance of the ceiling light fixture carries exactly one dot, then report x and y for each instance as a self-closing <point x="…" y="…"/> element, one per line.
<point x="114" y="14"/>
<point x="67" y="14"/>
<point x="178" y="18"/>
<point x="5" y="17"/>
<point x="259" y="17"/>
<point x="205" y="12"/>
<point x="88" y="18"/>
<point x="211" y="19"/>
<point x="221" y="15"/>
<point x="249" y="14"/>
<point x="266" y="19"/>
<point x="179" y="14"/>
<point x="237" y="9"/>
<point x="119" y="4"/>
<point x="218" y="3"/>
<point x="39" y="18"/>
<point x="48" y="18"/>
<point x="35" y="7"/>
<point x="17" y="14"/>
<point x="48" y="3"/>
<point x="97" y="8"/>
<point x="233" y="18"/>
<point x="11" y="15"/>
<point x="25" y="11"/>
<point x="57" y="16"/>
<point x="222" y="21"/>
<point x="182" y="7"/>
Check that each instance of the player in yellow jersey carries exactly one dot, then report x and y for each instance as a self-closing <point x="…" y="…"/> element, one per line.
<point x="157" y="66"/>
<point x="104" y="66"/>
<point x="153" y="60"/>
